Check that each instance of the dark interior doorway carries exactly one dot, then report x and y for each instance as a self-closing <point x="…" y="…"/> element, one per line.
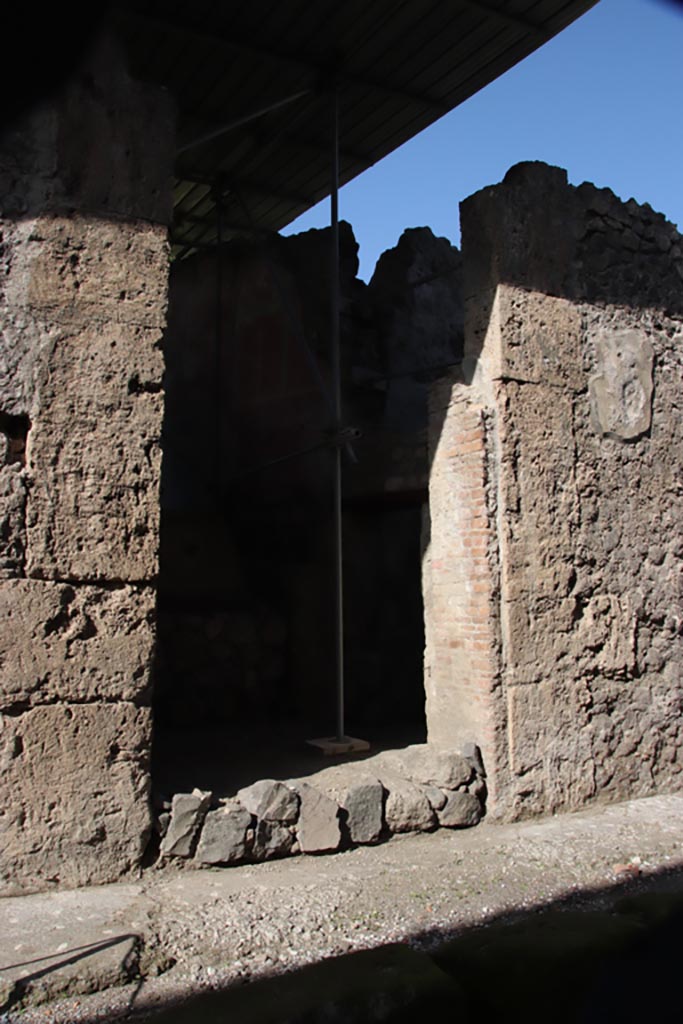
<point x="245" y="664"/>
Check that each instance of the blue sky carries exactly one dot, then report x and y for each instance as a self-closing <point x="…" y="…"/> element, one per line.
<point x="603" y="99"/>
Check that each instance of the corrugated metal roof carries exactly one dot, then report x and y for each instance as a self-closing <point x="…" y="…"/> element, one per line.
<point x="399" y="65"/>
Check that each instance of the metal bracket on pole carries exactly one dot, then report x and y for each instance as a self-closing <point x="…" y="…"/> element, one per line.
<point x="343" y="437"/>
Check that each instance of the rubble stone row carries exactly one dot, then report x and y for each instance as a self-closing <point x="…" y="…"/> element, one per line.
<point x="417" y="789"/>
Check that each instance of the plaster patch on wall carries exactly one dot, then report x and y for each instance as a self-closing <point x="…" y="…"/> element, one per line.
<point x="621" y="391"/>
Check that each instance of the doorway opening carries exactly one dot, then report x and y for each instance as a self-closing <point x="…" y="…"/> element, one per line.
<point x="245" y="668"/>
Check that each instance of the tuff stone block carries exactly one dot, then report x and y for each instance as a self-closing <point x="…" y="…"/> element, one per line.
<point x="76" y="781"/>
<point x="407" y="807"/>
<point x="224" y="838"/>
<point x="94" y="458"/>
<point x="363" y="803"/>
<point x="318" y="826"/>
<point x="74" y="643"/>
<point x="270" y="800"/>
<point x="461" y="810"/>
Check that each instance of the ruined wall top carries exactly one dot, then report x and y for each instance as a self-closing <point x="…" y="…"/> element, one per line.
<point x="583" y="243"/>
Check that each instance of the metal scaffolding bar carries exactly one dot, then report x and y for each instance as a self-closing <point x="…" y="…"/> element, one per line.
<point x="220" y="130"/>
<point x="336" y="385"/>
<point x="218" y="340"/>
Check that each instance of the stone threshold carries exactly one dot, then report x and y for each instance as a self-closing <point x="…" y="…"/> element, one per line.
<point x="416" y="789"/>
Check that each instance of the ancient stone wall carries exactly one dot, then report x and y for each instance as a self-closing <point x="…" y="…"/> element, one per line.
<point x="555" y="641"/>
<point x="85" y="192"/>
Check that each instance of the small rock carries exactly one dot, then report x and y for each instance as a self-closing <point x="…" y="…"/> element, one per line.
<point x="162" y="822"/>
<point x="187" y="813"/>
<point x="478" y="789"/>
<point x="224" y="836"/>
<point x="473" y="754"/>
<point x="626" y="871"/>
<point x="407" y="808"/>
<point x="270" y="800"/>
<point x="461" y="810"/>
<point x="318" y="828"/>
<point x="436" y="797"/>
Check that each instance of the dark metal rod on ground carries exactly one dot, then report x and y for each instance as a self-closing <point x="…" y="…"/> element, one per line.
<point x="336" y="383"/>
<point x="223" y="129"/>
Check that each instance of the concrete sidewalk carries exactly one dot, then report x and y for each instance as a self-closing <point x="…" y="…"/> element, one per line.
<point x="139" y="944"/>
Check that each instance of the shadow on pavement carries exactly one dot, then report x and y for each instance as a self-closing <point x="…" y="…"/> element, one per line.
<point x="609" y="954"/>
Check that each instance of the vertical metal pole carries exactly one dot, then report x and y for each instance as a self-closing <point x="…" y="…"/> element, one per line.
<point x="218" y="351"/>
<point x="336" y="385"/>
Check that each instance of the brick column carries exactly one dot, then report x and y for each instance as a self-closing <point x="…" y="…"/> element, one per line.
<point x="460" y="571"/>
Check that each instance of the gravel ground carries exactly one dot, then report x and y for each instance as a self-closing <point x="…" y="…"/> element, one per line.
<point x="212" y="928"/>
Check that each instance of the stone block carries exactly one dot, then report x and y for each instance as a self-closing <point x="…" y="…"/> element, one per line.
<point x="461" y="810"/>
<point x="74" y="643"/>
<point x="12" y="520"/>
<point x="94" y="458"/>
<point x="529" y="714"/>
<point x="540" y="338"/>
<point x="82" y="270"/>
<point x="541" y="510"/>
<point x="407" y="808"/>
<point x="188" y="811"/>
<point x="270" y="800"/>
<point x="25" y="344"/>
<point x="75" y="780"/>
<point x="54" y="937"/>
<point x="437" y="798"/>
<point x="223" y="838"/>
<point x="363" y="803"/>
<point x="428" y="766"/>
<point x="271" y="839"/>
<point x="318" y="829"/>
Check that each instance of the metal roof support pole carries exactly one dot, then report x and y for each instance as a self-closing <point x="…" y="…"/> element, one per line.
<point x="218" y="341"/>
<point x="340" y="743"/>
<point x="336" y="385"/>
